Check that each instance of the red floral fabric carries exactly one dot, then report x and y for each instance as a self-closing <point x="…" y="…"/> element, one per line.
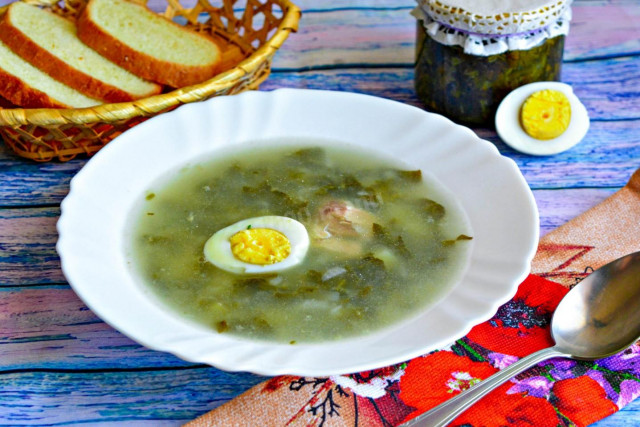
<point x="574" y="395"/>
<point x="559" y="392"/>
<point x="431" y="380"/>
<point x="521" y="326"/>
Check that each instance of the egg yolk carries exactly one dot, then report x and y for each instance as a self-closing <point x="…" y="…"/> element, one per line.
<point x="262" y="246"/>
<point x="545" y="114"/>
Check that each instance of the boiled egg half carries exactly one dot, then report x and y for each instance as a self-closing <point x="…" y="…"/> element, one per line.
<point x="542" y="118"/>
<point x="266" y="244"/>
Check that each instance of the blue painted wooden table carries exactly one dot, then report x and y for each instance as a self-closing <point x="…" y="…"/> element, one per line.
<point x="60" y="364"/>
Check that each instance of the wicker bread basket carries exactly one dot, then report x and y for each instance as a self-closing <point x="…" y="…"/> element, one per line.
<point x="250" y="31"/>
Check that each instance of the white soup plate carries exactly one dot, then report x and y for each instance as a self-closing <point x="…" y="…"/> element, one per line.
<point x="489" y="188"/>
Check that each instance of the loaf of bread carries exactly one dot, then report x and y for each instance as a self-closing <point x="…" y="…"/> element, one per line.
<point x="23" y="84"/>
<point x="148" y="44"/>
<point x="50" y="43"/>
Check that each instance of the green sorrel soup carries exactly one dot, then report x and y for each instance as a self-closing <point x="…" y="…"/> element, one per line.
<point x="383" y="242"/>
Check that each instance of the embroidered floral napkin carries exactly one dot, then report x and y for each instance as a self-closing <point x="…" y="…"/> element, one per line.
<point x="558" y="392"/>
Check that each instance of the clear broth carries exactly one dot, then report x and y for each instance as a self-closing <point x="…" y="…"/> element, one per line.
<point x="404" y="248"/>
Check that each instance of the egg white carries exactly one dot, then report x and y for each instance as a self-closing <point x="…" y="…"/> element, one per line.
<point x="217" y="250"/>
<point x="511" y="132"/>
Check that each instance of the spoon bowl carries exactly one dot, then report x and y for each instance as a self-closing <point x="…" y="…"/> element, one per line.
<point x="596" y="319"/>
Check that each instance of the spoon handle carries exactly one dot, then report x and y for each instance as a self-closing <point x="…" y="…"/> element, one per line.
<point x="447" y="411"/>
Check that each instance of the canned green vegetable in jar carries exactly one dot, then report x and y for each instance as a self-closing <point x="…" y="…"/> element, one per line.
<point x="464" y="74"/>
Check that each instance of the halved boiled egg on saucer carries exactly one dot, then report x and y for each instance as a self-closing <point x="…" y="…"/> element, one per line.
<point x="265" y="244"/>
<point x="542" y="118"/>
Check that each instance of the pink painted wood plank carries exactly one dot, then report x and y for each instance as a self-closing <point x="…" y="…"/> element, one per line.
<point x="556" y="207"/>
<point x="599" y="29"/>
<point x="387" y="36"/>
<point x="27" y="243"/>
<point x="52" y="328"/>
<point x="356" y="36"/>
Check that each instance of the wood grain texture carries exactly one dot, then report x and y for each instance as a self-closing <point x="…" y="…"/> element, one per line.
<point x="52" y="329"/>
<point x="61" y="365"/>
<point x="56" y="398"/>
<point x="386" y="36"/>
<point x="28" y="238"/>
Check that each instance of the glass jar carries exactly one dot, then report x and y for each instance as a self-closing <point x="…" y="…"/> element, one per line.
<point x="464" y="75"/>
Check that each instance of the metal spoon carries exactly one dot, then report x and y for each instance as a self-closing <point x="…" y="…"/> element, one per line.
<point x="597" y="318"/>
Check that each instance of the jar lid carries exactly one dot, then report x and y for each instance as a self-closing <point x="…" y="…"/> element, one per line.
<point x="483" y="40"/>
<point x="495" y="17"/>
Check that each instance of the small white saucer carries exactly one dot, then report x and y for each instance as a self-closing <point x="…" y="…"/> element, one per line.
<point x="511" y="132"/>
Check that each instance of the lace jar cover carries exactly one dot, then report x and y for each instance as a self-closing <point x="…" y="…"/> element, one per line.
<point x="470" y="54"/>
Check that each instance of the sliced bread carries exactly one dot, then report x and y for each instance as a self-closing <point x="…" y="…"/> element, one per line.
<point x="26" y="86"/>
<point x="148" y="44"/>
<point x="50" y="43"/>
